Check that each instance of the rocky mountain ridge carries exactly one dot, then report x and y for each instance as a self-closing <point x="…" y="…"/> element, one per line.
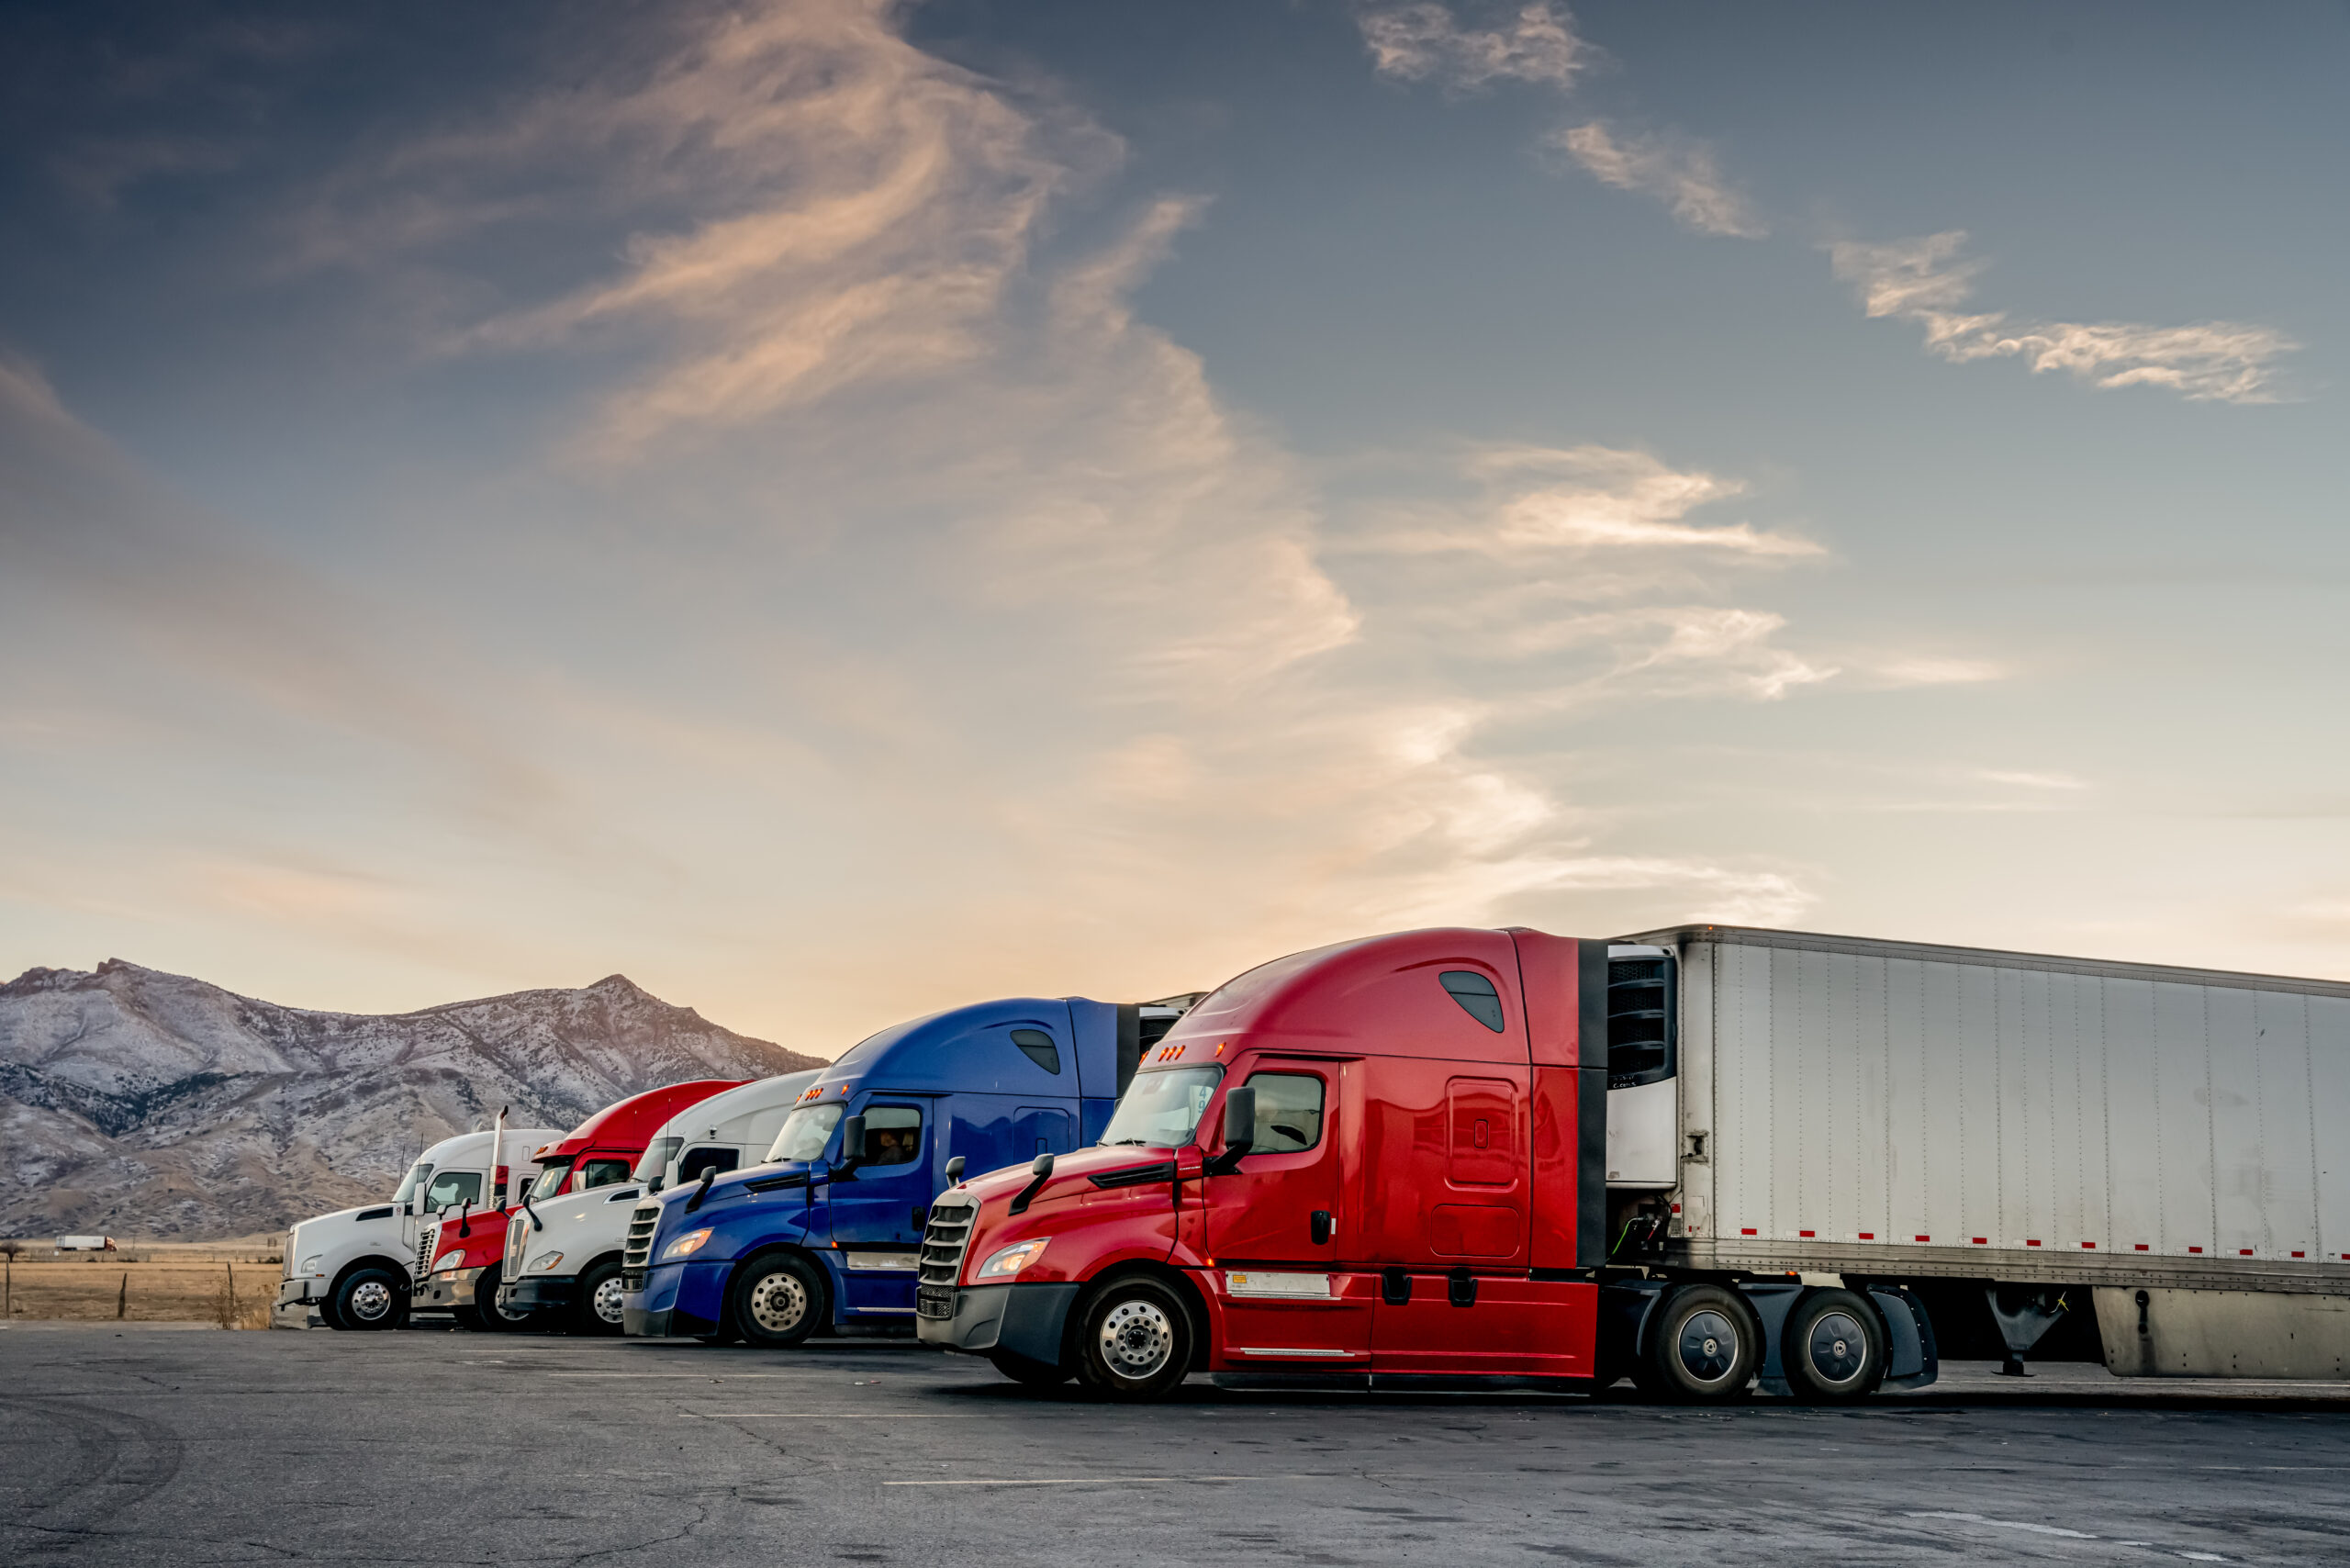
<point x="150" y="1104"/>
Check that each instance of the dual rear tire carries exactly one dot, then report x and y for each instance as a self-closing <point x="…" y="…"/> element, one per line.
<point x="1705" y="1347"/>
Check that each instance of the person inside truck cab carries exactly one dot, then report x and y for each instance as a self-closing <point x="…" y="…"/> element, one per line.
<point x="601" y="1173"/>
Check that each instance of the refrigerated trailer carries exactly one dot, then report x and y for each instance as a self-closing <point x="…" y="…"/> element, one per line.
<point x="1698" y="1156"/>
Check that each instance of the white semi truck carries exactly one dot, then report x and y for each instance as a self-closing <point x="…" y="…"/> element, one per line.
<point x="2167" y="1149"/>
<point x="562" y="1252"/>
<point x="352" y="1268"/>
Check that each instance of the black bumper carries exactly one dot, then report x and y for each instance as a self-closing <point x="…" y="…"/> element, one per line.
<point x="543" y="1295"/>
<point x="1027" y="1320"/>
<point x="663" y="1323"/>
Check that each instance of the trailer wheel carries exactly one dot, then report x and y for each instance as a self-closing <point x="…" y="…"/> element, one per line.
<point x="1134" y="1342"/>
<point x="369" y="1298"/>
<point x="596" y="1305"/>
<point x="1833" y="1349"/>
<point x="778" y="1301"/>
<point x="1703" y="1347"/>
<point x="1031" y="1373"/>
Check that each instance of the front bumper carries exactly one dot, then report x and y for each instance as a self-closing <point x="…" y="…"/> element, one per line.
<point x="539" y="1292"/>
<point x="1028" y="1320"/>
<point x="296" y="1292"/>
<point x="446" y="1292"/>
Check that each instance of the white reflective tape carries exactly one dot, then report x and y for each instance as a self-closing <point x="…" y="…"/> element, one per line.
<point x="1247" y="1351"/>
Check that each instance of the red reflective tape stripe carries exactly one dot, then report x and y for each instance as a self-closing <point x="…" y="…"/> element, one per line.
<point x="2031" y="1244"/>
<point x="2243" y="1252"/>
<point x="1803" y="1233"/>
<point x="1748" y="1231"/>
<point x="1868" y="1235"/>
<point x="1979" y="1241"/>
<point x="2195" y="1250"/>
<point x="2295" y="1254"/>
<point x="1925" y="1238"/>
<point x="2141" y="1246"/>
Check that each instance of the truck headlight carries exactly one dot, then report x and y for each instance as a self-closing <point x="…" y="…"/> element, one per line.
<point x="1011" y="1260"/>
<point x="310" y="1264"/>
<point x="686" y="1245"/>
<point x="546" y="1260"/>
<point x="452" y="1260"/>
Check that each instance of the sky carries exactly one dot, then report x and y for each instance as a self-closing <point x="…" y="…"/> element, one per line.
<point x="836" y="509"/>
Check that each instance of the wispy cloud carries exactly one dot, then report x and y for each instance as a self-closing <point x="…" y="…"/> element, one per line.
<point x="1426" y="42"/>
<point x="1677" y="170"/>
<point x="1928" y="282"/>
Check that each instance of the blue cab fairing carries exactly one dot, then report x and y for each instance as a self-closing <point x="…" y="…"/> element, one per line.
<point x="995" y="1082"/>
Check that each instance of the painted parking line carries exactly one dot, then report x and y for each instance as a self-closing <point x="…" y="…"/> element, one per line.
<point x="835" y="1414"/>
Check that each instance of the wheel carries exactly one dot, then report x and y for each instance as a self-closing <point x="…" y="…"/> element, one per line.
<point x="1703" y="1347"/>
<point x="596" y="1305"/>
<point x="1833" y="1349"/>
<point x="372" y="1297"/>
<point x="776" y="1301"/>
<point x="1135" y="1341"/>
<point x="1033" y="1373"/>
<point x="488" y="1313"/>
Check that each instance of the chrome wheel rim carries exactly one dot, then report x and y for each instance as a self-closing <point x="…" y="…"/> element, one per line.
<point x="778" y="1303"/>
<point x="1708" y="1345"/>
<point x="607" y="1300"/>
<point x="371" y="1300"/>
<point x="1137" y="1338"/>
<point x="1838" y="1348"/>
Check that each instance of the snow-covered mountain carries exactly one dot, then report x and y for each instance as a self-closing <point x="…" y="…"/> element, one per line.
<point x="152" y="1105"/>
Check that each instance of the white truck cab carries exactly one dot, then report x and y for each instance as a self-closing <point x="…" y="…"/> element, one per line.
<point x="352" y="1267"/>
<point x="563" y="1251"/>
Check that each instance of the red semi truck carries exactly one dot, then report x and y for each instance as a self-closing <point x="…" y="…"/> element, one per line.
<point x="459" y="1263"/>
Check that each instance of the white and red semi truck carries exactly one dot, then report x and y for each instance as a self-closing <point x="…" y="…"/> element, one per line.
<point x="1699" y="1156"/>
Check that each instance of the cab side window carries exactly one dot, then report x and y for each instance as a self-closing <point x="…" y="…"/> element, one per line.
<point x="892" y="1133"/>
<point x="600" y="1173"/>
<point x="698" y="1160"/>
<point x="452" y="1188"/>
<point x="1289" y="1111"/>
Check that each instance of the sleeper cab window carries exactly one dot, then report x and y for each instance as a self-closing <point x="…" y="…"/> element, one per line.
<point x="1039" y="1048"/>
<point x="892" y="1133"/>
<point x="707" y="1157"/>
<point x="1476" y="995"/>
<point x="1289" y="1111"/>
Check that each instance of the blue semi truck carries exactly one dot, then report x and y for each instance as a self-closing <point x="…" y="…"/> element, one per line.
<point x="827" y="1232"/>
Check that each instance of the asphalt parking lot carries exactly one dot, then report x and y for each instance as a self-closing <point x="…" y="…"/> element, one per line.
<point x="141" y="1445"/>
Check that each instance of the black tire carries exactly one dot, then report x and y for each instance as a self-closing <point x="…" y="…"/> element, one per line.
<point x="1833" y="1349"/>
<point x="488" y="1313"/>
<point x="1704" y="1345"/>
<point x="1134" y="1341"/>
<point x="1030" y="1373"/>
<point x="776" y="1301"/>
<point x="369" y="1298"/>
<point x="595" y="1303"/>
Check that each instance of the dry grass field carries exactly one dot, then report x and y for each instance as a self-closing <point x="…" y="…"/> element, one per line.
<point x="151" y="1283"/>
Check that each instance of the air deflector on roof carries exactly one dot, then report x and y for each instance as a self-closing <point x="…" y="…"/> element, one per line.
<point x="1476" y="995"/>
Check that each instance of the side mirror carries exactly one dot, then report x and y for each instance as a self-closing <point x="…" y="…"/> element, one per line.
<point x="852" y="1146"/>
<point x="955" y="1170"/>
<point x="1239" y="1128"/>
<point x="1038" y="1174"/>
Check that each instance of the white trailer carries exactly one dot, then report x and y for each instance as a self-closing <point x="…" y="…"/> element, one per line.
<point x="2173" y="1143"/>
<point x="562" y="1253"/>
<point x="86" y="1244"/>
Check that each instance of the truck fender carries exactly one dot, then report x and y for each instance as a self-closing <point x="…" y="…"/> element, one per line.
<point x="405" y="1270"/>
<point x="1624" y="1309"/>
<point x="1772" y="1302"/>
<point x="1910" y="1361"/>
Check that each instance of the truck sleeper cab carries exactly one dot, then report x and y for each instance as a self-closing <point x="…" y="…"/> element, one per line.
<point x="1384" y="1161"/>
<point x="824" y="1232"/>
<point x="460" y="1263"/>
<point x="563" y="1259"/>
<point x="353" y="1267"/>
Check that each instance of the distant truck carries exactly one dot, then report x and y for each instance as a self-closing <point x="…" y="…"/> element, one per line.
<point x="460" y="1261"/>
<point x="824" y="1232"/>
<point x="86" y="1244"/>
<point x="1703" y="1158"/>
<point x="352" y="1267"/>
<point x="562" y="1256"/>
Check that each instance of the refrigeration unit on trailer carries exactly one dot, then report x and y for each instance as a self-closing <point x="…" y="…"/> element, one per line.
<point x="823" y="1233"/>
<point x="563" y="1258"/>
<point x="459" y="1262"/>
<point x="352" y="1267"/>
<point x="1698" y="1158"/>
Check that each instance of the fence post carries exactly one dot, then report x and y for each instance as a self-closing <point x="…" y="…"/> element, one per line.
<point x="122" y="1298"/>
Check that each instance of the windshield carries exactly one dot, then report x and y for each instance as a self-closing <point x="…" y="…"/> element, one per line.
<point x="551" y="1176"/>
<point x="658" y="1155"/>
<point x="412" y="1181"/>
<point x="1161" y="1108"/>
<point x="805" y="1133"/>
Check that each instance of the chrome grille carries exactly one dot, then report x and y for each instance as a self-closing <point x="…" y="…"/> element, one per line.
<point x="518" y="1240"/>
<point x="425" y="1238"/>
<point x="942" y="1245"/>
<point x="637" y="1251"/>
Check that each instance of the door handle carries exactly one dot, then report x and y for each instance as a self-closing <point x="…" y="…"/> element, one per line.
<point x="1323" y="1225"/>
